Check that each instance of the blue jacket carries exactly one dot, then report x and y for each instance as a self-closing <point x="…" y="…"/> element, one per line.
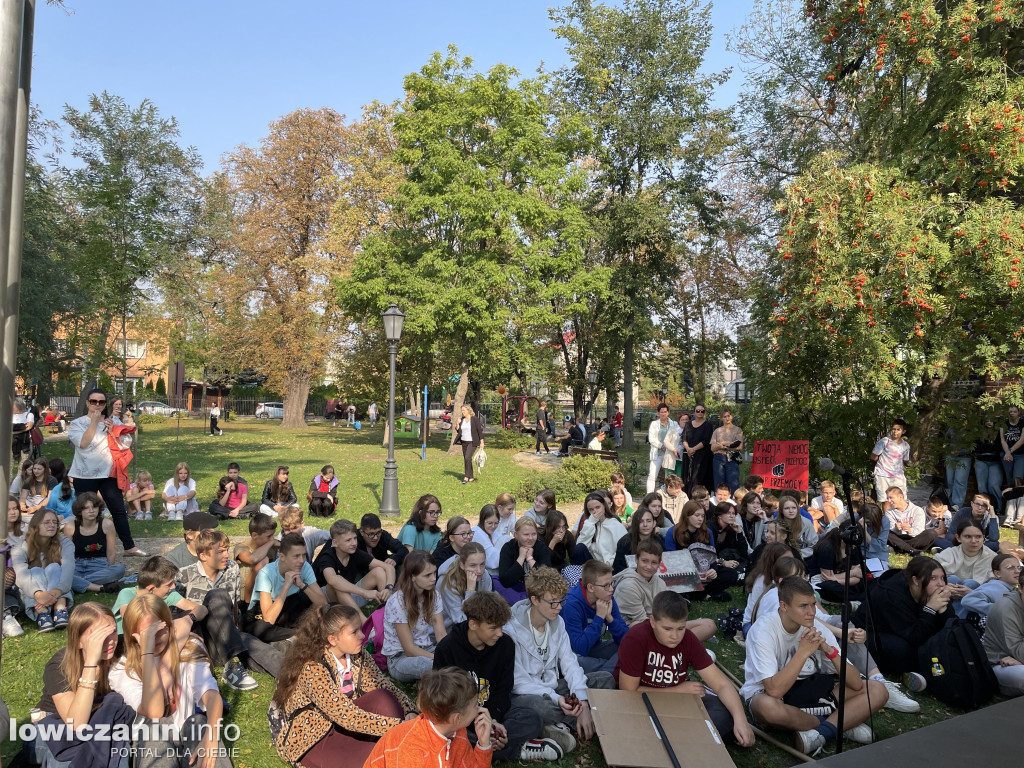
<point x="670" y="541"/>
<point x="584" y="632"/>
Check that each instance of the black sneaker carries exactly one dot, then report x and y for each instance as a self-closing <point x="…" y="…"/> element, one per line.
<point x="536" y="750"/>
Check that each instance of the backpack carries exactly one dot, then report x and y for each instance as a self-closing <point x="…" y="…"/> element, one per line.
<point x="373" y="628"/>
<point x="956" y="667"/>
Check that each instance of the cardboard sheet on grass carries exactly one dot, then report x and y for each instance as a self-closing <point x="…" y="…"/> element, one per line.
<point x="628" y="737"/>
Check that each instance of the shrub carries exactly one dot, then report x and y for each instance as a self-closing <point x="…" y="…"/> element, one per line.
<point x="150" y="418"/>
<point x="509" y="438"/>
<point x="161" y="387"/>
<point x="587" y="472"/>
<point x="565" y="489"/>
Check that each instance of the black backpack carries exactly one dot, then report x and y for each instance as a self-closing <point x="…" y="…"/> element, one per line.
<point x="956" y="667"/>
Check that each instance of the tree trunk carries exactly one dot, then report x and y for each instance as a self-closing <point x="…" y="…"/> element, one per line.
<point x="412" y="399"/>
<point x="610" y="400"/>
<point x="295" y="397"/>
<point x="460" y="398"/>
<point x="202" y="402"/>
<point x="628" y="443"/>
<point x="387" y="431"/>
<point x="94" y="360"/>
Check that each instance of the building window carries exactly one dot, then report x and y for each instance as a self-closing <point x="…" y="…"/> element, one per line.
<point x="131" y="349"/>
<point x="134" y="384"/>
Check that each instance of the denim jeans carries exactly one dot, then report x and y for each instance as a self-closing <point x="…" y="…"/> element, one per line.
<point x="958" y="470"/>
<point x="725" y="472"/>
<point x="1014" y="468"/>
<point x="958" y="609"/>
<point x="603" y="657"/>
<point x="409" y="669"/>
<point x="94" y="570"/>
<point x="990" y="480"/>
<point x="46" y="578"/>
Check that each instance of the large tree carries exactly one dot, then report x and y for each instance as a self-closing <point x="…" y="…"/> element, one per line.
<point x="133" y="188"/>
<point x="897" y="271"/>
<point x="278" y="285"/>
<point x="635" y="76"/>
<point x="484" y="168"/>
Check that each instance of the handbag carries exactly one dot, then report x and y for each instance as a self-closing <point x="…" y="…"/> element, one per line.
<point x="37" y="437"/>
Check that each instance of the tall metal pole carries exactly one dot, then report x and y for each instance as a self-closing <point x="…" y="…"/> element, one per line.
<point x="17" y="20"/>
<point x="389" y="495"/>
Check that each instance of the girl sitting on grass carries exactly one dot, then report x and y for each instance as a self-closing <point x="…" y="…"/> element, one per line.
<point x="332" y="703"/>
<point x="141" y="494"/>
<point x="171" y="685"/>
<point x="413" y="619"/>
<point x="44" y="566"/>
<point x="94" y="538"/>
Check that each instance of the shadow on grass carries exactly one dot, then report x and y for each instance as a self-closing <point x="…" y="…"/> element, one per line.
<point x="372" y="488"/>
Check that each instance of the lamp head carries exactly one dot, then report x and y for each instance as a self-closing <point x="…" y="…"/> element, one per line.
<point x="393" y="319"/>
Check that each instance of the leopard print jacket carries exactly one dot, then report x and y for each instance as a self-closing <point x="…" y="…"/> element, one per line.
<point x="315" y="705"/>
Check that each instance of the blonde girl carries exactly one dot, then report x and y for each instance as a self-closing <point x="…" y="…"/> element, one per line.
<point x="165" y="683"/>
<point x="467" y="575"/>
<point x="141" y="494"/>
<point x="44" y="566"/>
<point x="179" y="494"/>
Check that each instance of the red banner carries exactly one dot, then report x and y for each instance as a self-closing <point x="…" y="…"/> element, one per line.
<point x="782" y="463"/>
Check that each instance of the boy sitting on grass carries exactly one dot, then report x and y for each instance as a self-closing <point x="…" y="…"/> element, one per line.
<point x="448" y="700"/>
<point x="292" y="522"/>
<point x="283" y="592"/>
<point x="260" y="549"/>
<point x="194" y="522"/>
<point x="478" y="645"/>
<point x="348" y="574"/>
<point x="658" y="653"/>
<point x="791" y="674"/>
<point x="157" y="577"/>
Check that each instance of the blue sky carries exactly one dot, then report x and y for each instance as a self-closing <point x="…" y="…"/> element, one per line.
<point x="226" y="68"/>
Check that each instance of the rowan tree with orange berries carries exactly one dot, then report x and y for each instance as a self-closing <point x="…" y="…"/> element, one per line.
<point x="896" y="277"/>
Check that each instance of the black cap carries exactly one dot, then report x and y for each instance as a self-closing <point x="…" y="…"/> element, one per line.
<point x="199" y="521"/>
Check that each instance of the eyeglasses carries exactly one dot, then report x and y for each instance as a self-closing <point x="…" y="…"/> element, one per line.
<point x="97" y="402"/>
<point x="604" y="586"/>
<point x="555" y="603"/>
<point x="434" y="512"/>
<point x="462" y="535"/>
<point x="371" y="534"/>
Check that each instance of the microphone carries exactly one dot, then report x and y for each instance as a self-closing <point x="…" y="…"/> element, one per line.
<point x="827" y="465"/>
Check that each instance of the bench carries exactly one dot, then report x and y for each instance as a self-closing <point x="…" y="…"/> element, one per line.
<point x="612" y="456"/>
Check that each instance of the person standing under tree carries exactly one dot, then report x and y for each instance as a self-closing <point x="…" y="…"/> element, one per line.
<point x="662" y="437"/>
<point x="214" y="419"/>
<point x="541" y="426"/>
<point x="890" y="454"/>
<point x="372" y="413"/>
<point x="726" y="443"/>
<point x="351" y="414"/>
<point x="697" y="445"/>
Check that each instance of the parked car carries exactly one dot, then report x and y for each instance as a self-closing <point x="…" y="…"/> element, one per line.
<point x="157" y="408"/>
<point x="269" y="410"/>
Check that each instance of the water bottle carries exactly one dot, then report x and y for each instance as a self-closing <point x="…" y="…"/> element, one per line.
<point x="937" y="669"/>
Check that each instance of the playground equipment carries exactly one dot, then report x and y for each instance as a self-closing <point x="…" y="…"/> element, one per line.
<point x="514" y="410"/>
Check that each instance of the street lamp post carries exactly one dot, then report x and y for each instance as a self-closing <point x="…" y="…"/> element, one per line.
<point x="393" y="319"/>
<point x="592" y="378"/>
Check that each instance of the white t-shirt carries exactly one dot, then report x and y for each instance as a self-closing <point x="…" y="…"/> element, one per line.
<point x="891" y="456"/>
<point x="25" y="418"/>
<point x="818" y="502"/>
<point x="506" y="527"/>
<point x="422" y="631"/>
<point x="194" y="679"/>
<point x="215" y="412"/>
<point x="467" y="431"/>
<point x="92" y="462"/>
<point x="173" y="488"/>
<point x="770" y="648"/>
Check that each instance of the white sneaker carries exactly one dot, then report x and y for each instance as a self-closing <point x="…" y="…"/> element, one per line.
<point x="220" y="432"/>
<point x="898" y="700"/>
<point x="862" y="734"/>
<point x="809" y="742"/>
<point x="11" y="627"/>
<point x="148" y="515"/>
<point x="561" y="735"/>
<point x="540" y="749"/>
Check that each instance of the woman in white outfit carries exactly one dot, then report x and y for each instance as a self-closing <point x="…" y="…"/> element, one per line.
<point x="663" y="437"/>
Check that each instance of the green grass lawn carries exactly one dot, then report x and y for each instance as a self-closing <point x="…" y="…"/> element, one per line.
<point x="358" y="460"/>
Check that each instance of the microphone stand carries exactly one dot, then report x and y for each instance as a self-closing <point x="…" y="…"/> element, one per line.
<point x="852" y="537"/>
